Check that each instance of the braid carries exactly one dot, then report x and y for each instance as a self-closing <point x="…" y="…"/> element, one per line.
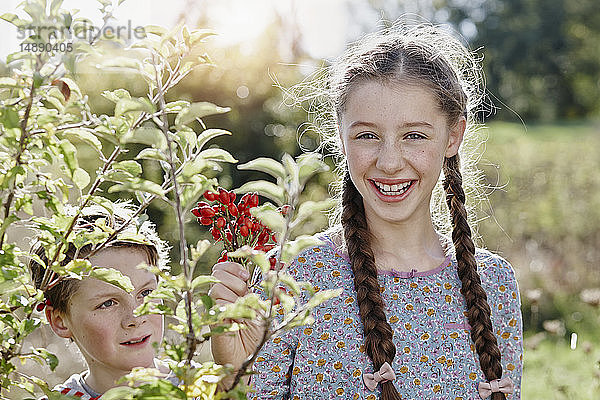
<point x="377" y="332"/>
<point x="478" y="309"/>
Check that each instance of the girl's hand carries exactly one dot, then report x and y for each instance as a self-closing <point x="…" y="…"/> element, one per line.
<point x="233" y="347"/>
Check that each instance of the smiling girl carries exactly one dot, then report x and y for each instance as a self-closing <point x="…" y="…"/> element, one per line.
<point x="98" y="316"/>
<point x="420" y="315"/>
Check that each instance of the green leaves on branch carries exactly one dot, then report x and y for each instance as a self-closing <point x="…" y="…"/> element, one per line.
<point x="114" y="277"/>
<point x="79" y="176"/>
<point x="197" y="111"/>
<point x="266" y="189"/>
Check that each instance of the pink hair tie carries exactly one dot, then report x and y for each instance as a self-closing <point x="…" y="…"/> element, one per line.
<point x="503" y="385"/>
<point x="385" y="374"/>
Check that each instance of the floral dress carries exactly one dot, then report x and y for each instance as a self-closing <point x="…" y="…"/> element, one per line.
<point x="435" y="356"/>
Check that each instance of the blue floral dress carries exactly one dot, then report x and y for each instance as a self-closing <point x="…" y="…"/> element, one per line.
<point x="435" y="357"/>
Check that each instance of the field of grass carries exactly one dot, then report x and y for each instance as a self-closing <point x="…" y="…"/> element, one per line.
<point x="545" y="219"/>
<point x="553" y="371"/>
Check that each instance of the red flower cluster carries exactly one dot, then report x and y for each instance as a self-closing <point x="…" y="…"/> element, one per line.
<point x="233" y="223"/>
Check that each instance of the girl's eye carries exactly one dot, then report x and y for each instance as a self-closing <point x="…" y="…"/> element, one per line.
<point x="146" y="292"/>
<point x="107" y="303"/>
<point x="414" y="135"/>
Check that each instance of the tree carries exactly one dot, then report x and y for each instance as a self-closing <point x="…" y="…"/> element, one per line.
<point x="45" y="117"/>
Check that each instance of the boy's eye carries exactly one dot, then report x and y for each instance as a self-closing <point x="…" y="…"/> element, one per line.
<point x="366" y="135"/>
<point x="107" y="303"/>
<point x="146" y="292"/>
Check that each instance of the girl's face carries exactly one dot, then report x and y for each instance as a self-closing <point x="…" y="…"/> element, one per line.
<point x="395" y="138"/>
<point x="101" y="321"/>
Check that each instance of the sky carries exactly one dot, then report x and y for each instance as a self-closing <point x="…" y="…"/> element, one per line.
<point x="323" y="23"/>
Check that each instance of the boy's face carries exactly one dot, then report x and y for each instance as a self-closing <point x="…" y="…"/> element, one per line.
<point x="101" y="320"/>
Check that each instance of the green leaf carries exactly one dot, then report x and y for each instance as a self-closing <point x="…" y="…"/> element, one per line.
<point x="203" y="280"/>
<point x="295" y="247"/>
<point x="15" y="20"/>
<point x="310" y="208"/>
<point x="267" y="165"/>
<point x="50" y="358"/>
<point x="155" y="29"/>
<point x="269" y="217"/>
<point x="38" y="79"/>
<point x="198" y="110"/>
<point x="104" y="203"/>
<point x="217" y="155"/>
<point x="81" y="178"/>
<point x="207" y="301"/>
<point x="138" y="184"/>
<point x="151" y="154"/>
<point x="266" y="189"/>
<point x="127" y="105"/>
<point x="194" y="167"/>
<point x="322" y="296"/>
<point x="116" y="95"/>
<point x="69" y="155"/>
<point x="176" y="106"/>
<point x="209" y="134"/>
<point x="86" y="136"/>
<point x="9" y="117"/>
<point x="114" y="277"/>
<point x="74" y="269"/>
<point x="200" y="248"/>
<point x="258" y="258"/>
<point x="86" y="237"/>
<point x="6" y="82"/>
<point x="198" y="35"/>
<point x="129" y="166"/>
<point x="120" y="393"/>
<point x="187" y="137"/>
<point x="291" y="168"/>
<point x="310" y="164"/>
<point x="147" y="135"/>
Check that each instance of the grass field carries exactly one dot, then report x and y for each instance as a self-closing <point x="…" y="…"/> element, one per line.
<point x="546" y="221"/>
<point x="553" y="371"/>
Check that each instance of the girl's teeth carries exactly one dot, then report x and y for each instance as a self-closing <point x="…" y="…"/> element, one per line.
<point x="392" y="189"/>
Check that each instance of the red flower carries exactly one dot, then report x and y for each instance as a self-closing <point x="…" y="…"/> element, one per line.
<point x="216" y="233"/>
<point x="210" y="196"/>
<point x="223" y="196"/>
<point x="207" y="212"/>
<point x="233" y="223"/>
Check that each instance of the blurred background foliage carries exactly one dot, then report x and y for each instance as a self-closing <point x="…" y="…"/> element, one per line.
<point x="542" y="159"/>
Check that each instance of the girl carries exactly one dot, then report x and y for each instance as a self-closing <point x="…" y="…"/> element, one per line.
<point x="98" y="316"/>
<point x="420" y="315"/>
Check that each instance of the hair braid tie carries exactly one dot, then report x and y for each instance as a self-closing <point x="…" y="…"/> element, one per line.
<point x="478" y="309"/>
<point x="378" y="333"/>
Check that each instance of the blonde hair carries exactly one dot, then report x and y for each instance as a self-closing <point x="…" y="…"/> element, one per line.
<point x="155" y="249"/>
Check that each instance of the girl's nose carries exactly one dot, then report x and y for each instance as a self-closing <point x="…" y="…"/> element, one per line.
<point x="391" y="158"/>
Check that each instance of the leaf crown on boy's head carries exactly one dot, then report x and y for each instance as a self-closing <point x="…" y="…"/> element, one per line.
<point x="97" y="221"/>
